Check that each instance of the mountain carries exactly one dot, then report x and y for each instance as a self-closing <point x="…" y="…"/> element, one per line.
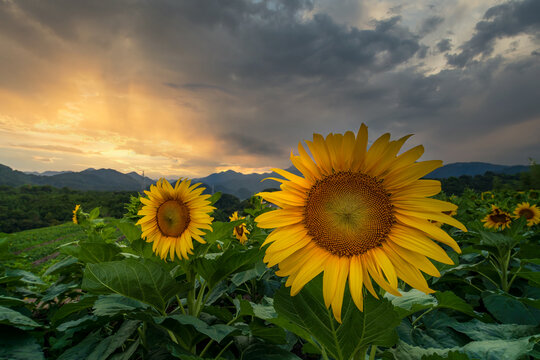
<point x="230" y="182"/>
<point x="89" y="179"/>
<point x="474" y="168"/>
<point x="46" y="173"/>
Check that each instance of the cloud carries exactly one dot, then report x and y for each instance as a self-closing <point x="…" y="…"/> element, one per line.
<point x="444" y="45"/>
<point x="186" y="88"/>
<point x="430" y="24"/>
<point x="505" y="20"/>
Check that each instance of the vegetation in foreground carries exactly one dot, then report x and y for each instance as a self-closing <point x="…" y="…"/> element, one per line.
<point x="221" y="297"/>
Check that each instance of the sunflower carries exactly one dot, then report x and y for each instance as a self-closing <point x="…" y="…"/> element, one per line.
<point x="531" y="213"/>
<point x="240" y="231"/>
<point x="75" y="211"/>
<point x="172" y="217"/>
<point x="497" y="218"/>
<point x="356" y="215"/>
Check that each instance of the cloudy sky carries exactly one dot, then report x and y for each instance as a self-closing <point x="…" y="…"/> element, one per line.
<point x="188" y="88"/>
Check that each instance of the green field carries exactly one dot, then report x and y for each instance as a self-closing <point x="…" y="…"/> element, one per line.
<point x="36" y="249"/>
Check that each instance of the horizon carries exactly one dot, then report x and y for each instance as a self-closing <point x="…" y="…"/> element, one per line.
<point x="39" y="173"/>
<point x="196" y="88"/>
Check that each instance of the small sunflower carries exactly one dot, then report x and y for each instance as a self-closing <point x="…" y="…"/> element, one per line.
<point x="497" y="218"/>
<point x="356" y="214"/>
<point x="240" y="231"/>
<point x="175" y="216"/>
<point x="531" y="213"/>
<point x="75" y="211"/>
<point x="487" y="195"/>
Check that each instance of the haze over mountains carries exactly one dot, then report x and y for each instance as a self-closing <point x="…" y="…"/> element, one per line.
<point x="231" y="182"/>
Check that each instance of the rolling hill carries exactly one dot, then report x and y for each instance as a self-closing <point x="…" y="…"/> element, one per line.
<point x="231" y="182"/>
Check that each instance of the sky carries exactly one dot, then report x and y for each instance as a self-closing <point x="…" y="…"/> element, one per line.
<point x="189" y="88"/>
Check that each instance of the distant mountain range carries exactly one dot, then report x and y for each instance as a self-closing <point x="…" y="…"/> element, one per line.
<point x="231" y="182"/>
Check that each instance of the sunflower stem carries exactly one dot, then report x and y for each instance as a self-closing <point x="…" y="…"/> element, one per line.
<point x="373" y="352"/>
<point x="422" y="315"/>
<point x="180" y="305"/>
<point x="223" y="350"/>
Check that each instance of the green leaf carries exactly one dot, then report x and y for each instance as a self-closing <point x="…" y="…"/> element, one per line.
<point x="15" y="318"/>
<point x="108" y="345"/>
<point x="497" y="240"/>
<point x="267" y="352"/>
<point x="66" y="265"/>
<point x="531" y="276"/>
<point x="271" y="334"/>
<point x="126" y="355"/>
<point x="94" y="214"/>
<point x="57" y="290"/>
<point x="10" y="301"/>
<point x="97" y="252"/>
<point x="84" y="302"/>
<point x="215" y="332"/>
<point x="25" y="277"/>
<point x="410" y="302"/>
<point x="82" y="349"/>
<point x="111" y="305"/>
<point x="230" y="262"/>
<point x="131" y="231"/>
<point x="449" y="300"/>
<point x="509" y="310"/>
<point x="214" y="198"/>
<point x="479" y="331"/>
<point x="221" y="230"/>
<point x="488" y="349"/>
<point x="141" y="280"/>
<point x="80" y="323"/>
<point x="18" y="345"/>
<point x="452" y="355"/>
<point x="374" y="326"/>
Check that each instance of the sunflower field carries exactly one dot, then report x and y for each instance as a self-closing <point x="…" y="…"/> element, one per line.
<point x="358" y="258"/>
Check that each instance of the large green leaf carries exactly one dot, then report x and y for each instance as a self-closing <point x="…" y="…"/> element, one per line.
<point x="375" y="325"/>
<point x="97" y="252"/>
<point x="486" y="350"/>
<point x="411" y="301"/>
<point x="10" y="301"/>
<point x="480" y="331"/>
<point x="215" y="332"/>
<point x="67" y="265"/>
<point x="67" y="309"/>
<point x="131" y="231"/>
<point x="230" y="262"/>
<point x="112" y="305"/>
<point x="18" y="345"/>
<point x="509" y="310"/>
<point x="267" y="352"/>
<point x="141" y="280"/>
<point x="82" y="349"/>
<point x="15" y="318"/>
<point x="24" y="276"/>
<point x="108" y="345"/>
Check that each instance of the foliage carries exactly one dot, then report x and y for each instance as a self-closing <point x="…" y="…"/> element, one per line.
<point x="110" y="297"/>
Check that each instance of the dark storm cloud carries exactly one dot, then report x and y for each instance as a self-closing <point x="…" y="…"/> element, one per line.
<point x="239" y="143"/>
<point x="505" y="20"/>
<point x="195" y="86"/>
<point x="429" y="25"/>
<point x="444" y="45"/>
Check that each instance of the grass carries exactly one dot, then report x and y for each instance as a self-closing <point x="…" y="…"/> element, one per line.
<point x="35" y="250"/>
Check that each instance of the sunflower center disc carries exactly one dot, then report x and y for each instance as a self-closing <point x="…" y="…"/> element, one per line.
<point x="348" y="213"/>
<point x="499" y="218"/>
<point x="527" y="213"/>
<point x="173" y="217"/>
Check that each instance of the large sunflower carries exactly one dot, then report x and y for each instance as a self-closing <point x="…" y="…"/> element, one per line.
<point x="531" y="213"/>
<point x="497" y="218"/>
<point x="173" y="216"/>
<point x="239" y="231"/>
<point x="357" y="214"/>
